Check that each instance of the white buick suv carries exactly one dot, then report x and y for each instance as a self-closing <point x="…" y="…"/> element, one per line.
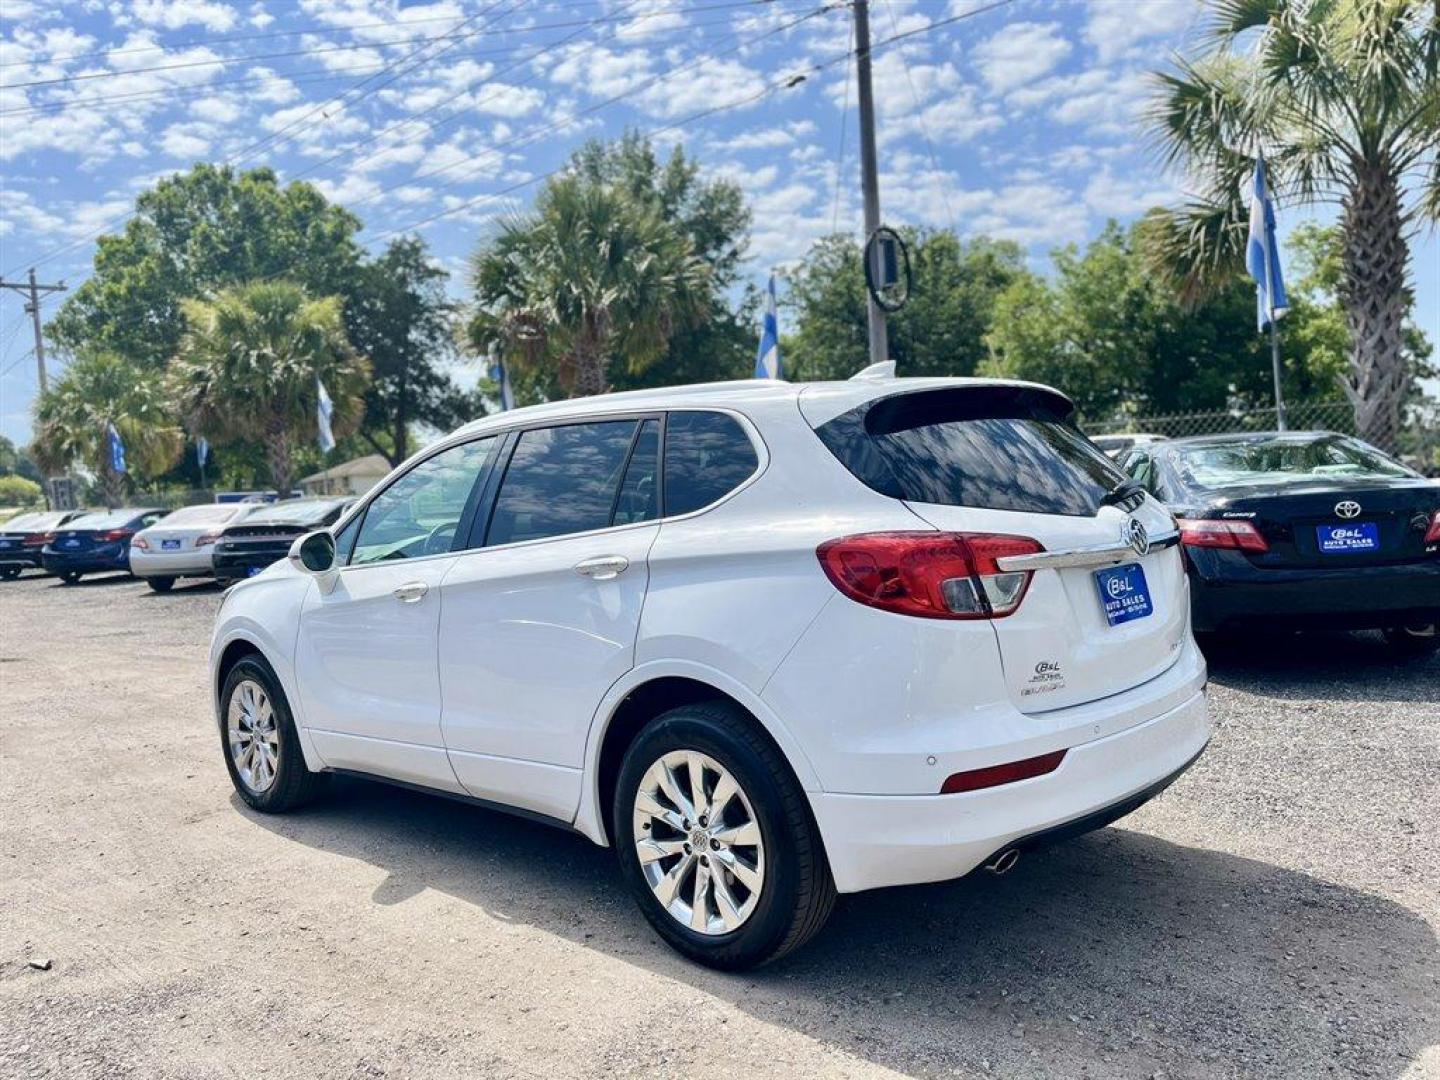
<point x="771" y="642"/>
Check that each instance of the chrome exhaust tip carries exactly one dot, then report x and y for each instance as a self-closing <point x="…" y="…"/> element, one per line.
<point x="1004" y="862"/>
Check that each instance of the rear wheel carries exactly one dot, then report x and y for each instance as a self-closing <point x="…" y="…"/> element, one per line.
<point x="716" y="840"/>
<point x="1414" y="640"/>
<point x="257" y="734"/>
<point x="161" y="584"/>
<point x="70" y="577"/>
<point x="10" y="573"/>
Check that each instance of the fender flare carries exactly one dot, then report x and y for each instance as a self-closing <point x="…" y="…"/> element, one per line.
<point x="254" y="635"/>
<point x="590" y="818"/>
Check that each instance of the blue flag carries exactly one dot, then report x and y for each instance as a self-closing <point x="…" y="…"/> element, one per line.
<point x="324" y="410"/>
<point x="500" y="375"/>
<point x="117" y="448"/>
<point x="202" y="451"/>
<point x="1262" y="254"/>
<point x="767" y="359"/>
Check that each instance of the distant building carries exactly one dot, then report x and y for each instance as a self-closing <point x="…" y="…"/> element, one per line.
<point x="354" y="477"/>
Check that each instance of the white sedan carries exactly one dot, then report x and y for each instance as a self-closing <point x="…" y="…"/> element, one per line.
<point x="182" y="544"/>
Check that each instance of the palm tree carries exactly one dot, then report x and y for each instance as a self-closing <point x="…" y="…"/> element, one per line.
<point x="1342" y="97"/>
<point x="248" y="368"/>
<point x="73" y="419"/>
<point x="592" y="276"/>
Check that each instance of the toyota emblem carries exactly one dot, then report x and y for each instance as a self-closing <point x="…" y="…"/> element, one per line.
<point x="1347" y="508"/>
<point x="1136" y="536"/>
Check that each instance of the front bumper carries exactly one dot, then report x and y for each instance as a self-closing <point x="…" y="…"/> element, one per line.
<point x="1226" y="588"/>
<point x="880" y="840"/>
<point x="193" y="563"/>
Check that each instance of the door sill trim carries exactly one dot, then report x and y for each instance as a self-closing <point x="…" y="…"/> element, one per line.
<point x="471" y="800"/>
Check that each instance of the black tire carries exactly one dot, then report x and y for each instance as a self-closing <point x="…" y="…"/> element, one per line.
<point x="70" y="577"/>
<point x="1415" y="641"/>
<point x="798" y="892"/>
<point x="294" y="785"/>
<point x="161" y="584"/>
<point x="10" y="573"/>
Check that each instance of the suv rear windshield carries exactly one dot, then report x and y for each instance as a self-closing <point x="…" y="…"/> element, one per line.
<point x="989" y="447"/>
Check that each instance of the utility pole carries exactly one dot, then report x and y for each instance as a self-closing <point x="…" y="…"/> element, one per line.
<point x="869" y="175"/>
<point x="33" y="310"/>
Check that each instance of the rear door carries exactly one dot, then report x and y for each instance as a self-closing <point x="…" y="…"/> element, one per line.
<point x="1107" y="606"/>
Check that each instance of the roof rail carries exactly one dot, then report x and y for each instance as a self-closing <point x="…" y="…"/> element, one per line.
<point x="885" y="370"/>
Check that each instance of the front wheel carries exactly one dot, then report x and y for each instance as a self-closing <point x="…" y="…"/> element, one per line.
<point x="10" y="573"/>
<point x="1417" y="640"/>
<point x="716" y="840"/>
<point x="257" y="734"/>
<point x="161" y="584"/>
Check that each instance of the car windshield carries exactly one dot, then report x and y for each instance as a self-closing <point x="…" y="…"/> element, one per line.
<point x="1283" y="459"/>
<point x="104" y="519"/>
<point x="207" y="514"/>
<point x="293" y="513"/>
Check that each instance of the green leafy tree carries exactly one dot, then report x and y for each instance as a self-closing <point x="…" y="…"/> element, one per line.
<point x="17" y="462"/>
<point x="1343" y="98"/>
<point x="248" y="366"/>
<point x="18" y="491"/>
<point x="940" y="331"/>
<point x="192" y="234"/>
<point x="96" y="390"/>
<point x="399" y="316"/>
<point x="592" y="279"/>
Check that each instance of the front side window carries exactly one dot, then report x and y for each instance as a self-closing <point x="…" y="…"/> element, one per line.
<point x="707" y="456"/>
<point x="562" y="480"/>
<point x="420" y="512"/>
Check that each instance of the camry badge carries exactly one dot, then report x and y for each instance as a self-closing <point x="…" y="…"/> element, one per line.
<point x="1136" y="536"/>
<point x="1347" y="508"/>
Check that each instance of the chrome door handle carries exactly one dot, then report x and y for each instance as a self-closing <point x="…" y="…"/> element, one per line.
<point x="603" y="567"/>
<point x="411" y="592"/>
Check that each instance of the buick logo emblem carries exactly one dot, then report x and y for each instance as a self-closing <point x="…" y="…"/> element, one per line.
<point x="1136" y="536"/>
<point x="1347" y="508"/>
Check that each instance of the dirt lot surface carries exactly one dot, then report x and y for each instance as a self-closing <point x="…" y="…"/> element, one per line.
<point x="1273" y="914"/>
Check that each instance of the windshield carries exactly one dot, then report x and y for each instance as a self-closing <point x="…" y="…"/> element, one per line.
<point x="104" y="519"/>
<point x="1283" y="459"/>
<point x="207" y="514"/>
<point x="294" y="513"/>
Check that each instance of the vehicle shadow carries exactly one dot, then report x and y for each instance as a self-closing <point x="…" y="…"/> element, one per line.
<point x="1118" y="947"/>
<point x="91" y="581"/>
<point x="1334" y="666"/>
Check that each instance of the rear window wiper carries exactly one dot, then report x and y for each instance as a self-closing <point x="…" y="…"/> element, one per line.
<point x="1122" y="491"/>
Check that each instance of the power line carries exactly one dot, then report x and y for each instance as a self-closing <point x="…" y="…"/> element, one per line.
<point x="920" y="121"/>
<point x="840" y="156"/>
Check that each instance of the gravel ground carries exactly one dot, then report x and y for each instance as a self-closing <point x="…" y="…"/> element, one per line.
<point x="1274" y="913"/>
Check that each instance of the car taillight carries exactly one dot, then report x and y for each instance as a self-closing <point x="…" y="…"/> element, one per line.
<point x="995" y="775"/>
<point x="36" y="539"/>
<point x="206" y="539"/>
<point x="1236" y="535"/>
<point x="933" y="575"/>
<point x="116" y="534"/>
<point x="47" y="538"/>
<point x="141" y="543"/>
<point x="1432" y="534"/>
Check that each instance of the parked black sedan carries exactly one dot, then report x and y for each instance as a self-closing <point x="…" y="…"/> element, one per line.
<point x="96" y="542"/>
<point x="24" y="535"/>
<point x="265" y="535"/>
<point x="1305" y="530"/>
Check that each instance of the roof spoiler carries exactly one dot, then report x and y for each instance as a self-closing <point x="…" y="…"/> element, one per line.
<point x="875" y="372"/>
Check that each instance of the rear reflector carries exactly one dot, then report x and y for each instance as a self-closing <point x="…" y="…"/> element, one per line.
<point x="933" y="575"/>
<point x="995" y="775"/>
<point x="1236" y="535"/>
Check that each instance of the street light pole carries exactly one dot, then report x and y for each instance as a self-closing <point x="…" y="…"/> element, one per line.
<point x="869" y="172"/>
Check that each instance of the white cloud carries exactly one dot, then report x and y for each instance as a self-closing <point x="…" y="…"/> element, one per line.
<point x="188" y="140"/>
<point x="221" y="110"/>
<point x="173" y="14"/>
<point x="1021" y="53"/>
<point x="1114" y="196"/>
<point x="1114" y="27"/>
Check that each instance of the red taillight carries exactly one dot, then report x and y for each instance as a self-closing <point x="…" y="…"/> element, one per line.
<point x="994" y="775"/>
<point x="933" y="575"/>
<point x="141" y="543"/>
<point x="1237" y="535"/>
<point x="117" y="534"/>
<point x="36" y="539"/>
<point x="206" y="539"/>
<point x="1432" y="534"/>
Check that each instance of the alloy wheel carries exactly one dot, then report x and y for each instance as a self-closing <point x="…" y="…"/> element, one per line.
<point x="253" y="735"/>
<point x="698" y="842"/>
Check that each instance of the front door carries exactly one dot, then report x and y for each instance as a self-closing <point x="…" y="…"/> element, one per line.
<point x="365" y="658"/>
<point x="538" y="623"/>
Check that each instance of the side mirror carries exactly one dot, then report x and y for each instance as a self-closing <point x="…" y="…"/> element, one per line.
<point x="313" y="553"/>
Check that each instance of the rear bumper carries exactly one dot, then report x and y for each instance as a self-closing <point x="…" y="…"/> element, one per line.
<point x="239" y="564"/>
<point x="171" y="563"/>
<point x="1226" y="588"/>
<point x="20" y="557"/>
<point x="94" y="561"/>
<point x="881" y="840"/>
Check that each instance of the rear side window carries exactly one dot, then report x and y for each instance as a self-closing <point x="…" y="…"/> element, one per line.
<point x="639" y="493"/>
<point x="561" y="480"/>
<point x="993" y="448"/>
<point x="707" y="456"/>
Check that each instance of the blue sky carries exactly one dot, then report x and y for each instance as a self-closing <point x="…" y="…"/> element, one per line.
<point x="1017" y="122"/>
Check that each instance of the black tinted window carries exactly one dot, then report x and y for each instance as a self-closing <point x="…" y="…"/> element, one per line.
<point x="707" y="455"/>
<point x="639" y="494"/>
<point x="561" y="480"/>
<point x="996" y="448"/>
